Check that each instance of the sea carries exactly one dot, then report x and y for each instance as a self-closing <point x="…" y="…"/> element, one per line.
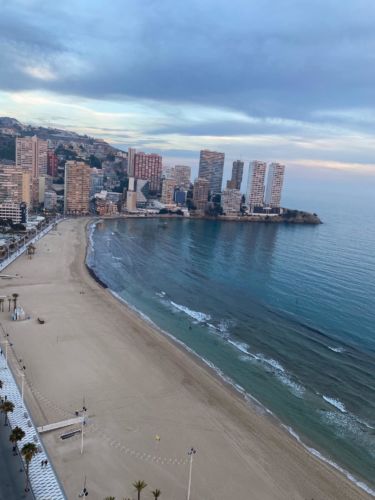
<point x="284" y="313"/>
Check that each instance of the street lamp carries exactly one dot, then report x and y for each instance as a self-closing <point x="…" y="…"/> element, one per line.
<point x="83" y="412"/>
<point x="191" y="454"/>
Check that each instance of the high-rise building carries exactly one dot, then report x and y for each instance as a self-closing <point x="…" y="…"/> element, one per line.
<point x="182" y="176"/>
<point x="255" y="184"/>
<point x="131" y="158"/>
<point x="31" y="155"/>
<point x="200" y="193"/>
<point x="14" y="183"/>
<point x="275" y="180"/>
<point x="52" y="163"/>
<point x="167" y="192"/>
<point x="168" y="172"/>
<point x="77" y="187"/>
<point x="17" y="212"/>
<point x="142" y="191"/>
<point x="211" y="166"/>
<point x="231" y="201"/>
<point x="237" y="173"/>
<point x="148" y="167"/>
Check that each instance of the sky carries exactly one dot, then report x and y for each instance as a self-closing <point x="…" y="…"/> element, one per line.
<point x="276" y="80"/>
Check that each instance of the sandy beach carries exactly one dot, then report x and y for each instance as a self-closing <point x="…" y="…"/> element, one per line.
<point x="137" y="384"/>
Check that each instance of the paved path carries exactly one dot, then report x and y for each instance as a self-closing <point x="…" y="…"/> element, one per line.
<point x="12" y="481"/>
<point x="44" y="483"/>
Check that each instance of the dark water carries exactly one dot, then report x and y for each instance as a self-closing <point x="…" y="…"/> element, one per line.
<point x="286" y="312"/>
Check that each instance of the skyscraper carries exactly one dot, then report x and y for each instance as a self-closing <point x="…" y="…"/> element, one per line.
<point x="211" y="166"/>
<point x="237" y="173"/>
<point x="148" y="167"/>
<point x="182" y="176"/>
<point x="255" y="184"/>
<point x="167" y="192"/>
<point x="15" y="184"/>
<point x="131" y="156"/>
<point x="52" y="163"/>
<point x="275" y="180"/>
<point x="31" y="155"/>
<point x="200" y="193"/>
<point x="77" y="187"/>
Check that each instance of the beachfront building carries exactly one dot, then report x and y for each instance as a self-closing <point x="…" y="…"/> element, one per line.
<point x="77" y="187"/>
<point x="148" y="167"/>
<point x="231" y="201"/>
<point x="31" y="155"/>
<point x="182" y="176"/>
<point x="200" y="193"/>
<point x="255" y="184"/>
<point x="15" y="184"/>
<point x="142" y="192"/>
<point x="237" y="173"/>
<point x="275" y="180"/>
<point x="16" y="212"/>
<point x="211" y="166"/>
<point x="167" y="192"/>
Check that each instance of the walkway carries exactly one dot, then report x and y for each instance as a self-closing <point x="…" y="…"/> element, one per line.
<point x="44" y="482"/>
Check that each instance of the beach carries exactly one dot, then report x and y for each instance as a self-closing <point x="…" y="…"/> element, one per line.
<point x="148" y="400"/>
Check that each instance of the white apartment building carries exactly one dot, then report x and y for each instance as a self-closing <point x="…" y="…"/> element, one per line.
<point x="255" y="184"/>
<point x="275" y="180"/>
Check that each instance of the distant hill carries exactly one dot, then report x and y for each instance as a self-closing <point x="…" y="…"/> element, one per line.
<point x="10" y="128"/>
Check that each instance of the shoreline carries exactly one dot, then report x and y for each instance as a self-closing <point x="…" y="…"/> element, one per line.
<point x="239" y="392"/>
<point x="137" y="383"/>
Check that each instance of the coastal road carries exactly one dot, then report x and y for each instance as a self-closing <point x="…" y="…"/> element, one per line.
<point x="12" y="481"/>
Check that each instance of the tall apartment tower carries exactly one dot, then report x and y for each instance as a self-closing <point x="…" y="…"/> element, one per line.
<point x="275" y="180"/>
<point x="211" y="166"/>
<point x="200" y="193"/>
<point x="148" y="167"/>
<point x="237" y="173"/>
<point x="15" y="184"/>
<point x="167" y="192"/>
<point x="255" y="184"/>
<point x="31" y="155"/>
<point x="131" y="157"/>
<point x="182" y="176"/>
<point x="77" y="187"/>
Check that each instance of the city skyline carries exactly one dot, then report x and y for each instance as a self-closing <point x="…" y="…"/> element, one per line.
<point x="49" y="78"/>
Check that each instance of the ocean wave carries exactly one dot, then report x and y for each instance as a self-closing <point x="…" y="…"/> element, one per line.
<point x="241" y="346"/>
<point x="196" y="315"/>
<point x="336" y="349"/>
<point x="336" y="403"/>
<point x="363" y="486"/>
<point x="160" y="294"/>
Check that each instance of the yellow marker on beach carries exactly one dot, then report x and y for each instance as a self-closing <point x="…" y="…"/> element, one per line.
<point x="157" y="438"/>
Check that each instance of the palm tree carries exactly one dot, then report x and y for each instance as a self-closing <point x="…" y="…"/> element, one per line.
<point x="16" y="435"/>
<point x="6" y="407"/>
<point x="156" y="493"/>
<point x="29" y="450"/>
<point x="139" y="486"/>
<point x="15" y="297"/>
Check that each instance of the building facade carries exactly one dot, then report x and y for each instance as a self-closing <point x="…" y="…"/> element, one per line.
<point x="52" y="163"/>
<point x="148" y="167"/>
<point x="15" y="184"/>
<point x="31" y="155"/>
<point x="182" y="176"/>
<point x="96" y="181"/>
<point x="77" y="187"/>
<point x="211" y="166"/>
<point x="131" y="160"/>
<point x="275" y="181"/>
<point x="167" y="192"/>
<point x="50" y="200"/>
<point x="200" y="193"/>
<point x="237" y="173"/>
<point x="255" y="184"/>
<point x="231" y="201"/>
<point x="17" y="212"/>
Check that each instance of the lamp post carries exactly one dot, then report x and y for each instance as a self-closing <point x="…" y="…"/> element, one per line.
<point x="191" y="454"/>
<point x="83" y="412"/>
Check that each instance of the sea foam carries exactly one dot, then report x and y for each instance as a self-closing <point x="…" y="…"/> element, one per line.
<point x="336" y="403"/>
<point x="196" y="315"/>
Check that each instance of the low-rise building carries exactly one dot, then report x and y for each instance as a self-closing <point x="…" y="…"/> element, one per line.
<point x="17" y="212"/>
<point x="231" y="201"/>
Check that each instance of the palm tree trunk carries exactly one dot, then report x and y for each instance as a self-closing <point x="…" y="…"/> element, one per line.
<point x="27" y="475"/>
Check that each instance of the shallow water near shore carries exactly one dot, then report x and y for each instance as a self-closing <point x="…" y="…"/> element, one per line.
<point x="286" y="312"/>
